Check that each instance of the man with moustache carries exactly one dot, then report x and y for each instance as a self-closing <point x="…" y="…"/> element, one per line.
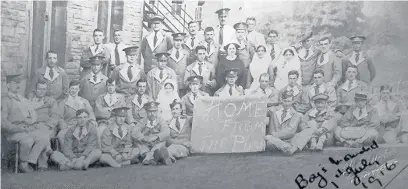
<point x="192" y="40"/>
<point x="224" y="33"/>
<point x="211" y="46"/>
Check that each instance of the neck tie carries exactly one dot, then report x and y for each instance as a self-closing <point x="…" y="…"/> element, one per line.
<point x="177" y="124"/>
<point x="195" y="96"/>
<point x="220" y="38"/>
<point x="208" y="48"/>
<point x="161" y="74"/>
<point x="120" y="131"/>
<point x="139" y="99"/>
<point x="291" y="91"/>
<point x="117" y="58"/>
<point x="230" y="91"/>
<point x="81" y="129"/>
<point x="111" y="98"/>
<point x="264" y="91"/>
<point x="284" y="112"/>
<point x="96" y="49"/>
<point x="155" y="38"/>
<point x="307" y="53"/>
<point x="200" y="67"/>
<point x="357" y="56"/>
<point x="130" y="73"/>
<point x="350" y="85"/>
<point x="360" y="112"/>
<point x="94" y="78"/>
<point x="177" y="54"/>
<point x="316" y="89"/>
<point x="192" y="42"/>
<point x="317" y="113"/>
<point x="387" y="109"/>
<point x="272" y="52"/>
<point x="322" y="58"/>
<point x="51" y="73"/>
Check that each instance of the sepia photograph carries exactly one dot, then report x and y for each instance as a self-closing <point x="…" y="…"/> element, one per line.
<point x="189" y="94"/>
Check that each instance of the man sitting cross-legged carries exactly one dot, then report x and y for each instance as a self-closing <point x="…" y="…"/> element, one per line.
<point x="117" y="142"/>
<point x="80" y="147"/>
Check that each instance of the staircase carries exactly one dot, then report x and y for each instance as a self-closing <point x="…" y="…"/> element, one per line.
<point x="172" y="22"/>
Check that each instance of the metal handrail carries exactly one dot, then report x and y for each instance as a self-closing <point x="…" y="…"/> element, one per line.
<point x="164" y="23"/>
<point x="183" y="24"/>
<point x="185" y="13"/>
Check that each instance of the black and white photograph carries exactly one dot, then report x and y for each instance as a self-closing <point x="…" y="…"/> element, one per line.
<point x="189" y="94"/>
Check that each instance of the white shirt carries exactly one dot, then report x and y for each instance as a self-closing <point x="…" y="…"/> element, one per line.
<point x="122" y="54"/>
<point x="256" y="38"/>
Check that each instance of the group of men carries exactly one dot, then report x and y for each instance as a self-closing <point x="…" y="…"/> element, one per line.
<point x="110" y="114"/>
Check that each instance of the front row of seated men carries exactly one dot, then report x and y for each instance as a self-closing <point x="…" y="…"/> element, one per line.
<point x="128" y="134"/>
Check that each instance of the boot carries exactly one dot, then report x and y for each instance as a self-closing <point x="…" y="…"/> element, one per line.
<point x="164" y="154"/>
<point x="313" y="144"/>
<point x="319" y="145"/>
<point x="25" y="167"/>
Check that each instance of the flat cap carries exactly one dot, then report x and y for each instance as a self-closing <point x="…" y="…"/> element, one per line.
<point x="222" y="11"/>
<point x="131" y="50"/>
<point x="320" y="96"/>
<point x="120" y="111"/>
<point x="151" y="106"/>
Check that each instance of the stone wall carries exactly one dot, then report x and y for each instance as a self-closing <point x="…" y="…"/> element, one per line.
<point x="132" y="22"/>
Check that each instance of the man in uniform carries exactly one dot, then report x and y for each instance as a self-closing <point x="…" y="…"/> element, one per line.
<point x="137" y="102"/>
<point x="93" y="84"/>
<point x="118" y="56"/>
<point x="127" y="74"/>
<point x="224" y="33"/>
<point x="307" y="54"/>
<point x="202" y="68"/>
<point x="68" y="108"/>
<point x="179" y="143"/>
<point x="265" y="90"/>
<point x="329" y="63"/>
<point x="272" y="46"/>
<point x="253" y="36"/>
<point x="191" y="41"/>
<point x="154" y="42"/>
<point x="187" y="101"/>
<point x="322" y="120"/>
<point x="319" y="86"/>
<point x="301" y="101"/>
<point x="157" y="76"/>
<point x="211" y="47"/>
<point x="230" y="88"/>
<point x="18" y="122"/>
<point x="178" y="61"/>
<point x="152" y="134"/>
<point x="365" y="66"/>
<point x="246" y="49"/>
<point x="97" y="49"/>
<point x="55" y="76"/>
<point x="359" y="124"/>
<point x="104" y="105"/>
<point x="81" y="145"/>
<point x="347" y="90"/>
<point x="118" y="145"/>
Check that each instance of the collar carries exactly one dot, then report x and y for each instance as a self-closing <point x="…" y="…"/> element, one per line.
<point x="345" y="87"/>
<point x="197" y="66"/>
<point x="279" y="113"/>
<point x="124" y="72"/>
<point x="115" y="98"/>
<point x="151" y="124"/>
<point x="295" y="89"/>
<point x="150" y="39"/>
<point x="357" y="115"/>
<point x="172" y="124"/>
<point x="115" y="131"/>
<point x="165" y="74"/>
<point x="93" y="48"/>
<point x="47" y="73"/>
<point x="98" y="78"/>
<point x="313" y="112"/>
<point x="326" y="58"/>
<point x="144" y="100"/>
<point x="173" y="54"/>
<point x="17" y="96"/>
<point x="84" y="133"/>
<point x="321" y="89"/>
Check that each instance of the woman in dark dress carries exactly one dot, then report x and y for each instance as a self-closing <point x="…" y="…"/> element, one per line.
<point x="228" y="62"/>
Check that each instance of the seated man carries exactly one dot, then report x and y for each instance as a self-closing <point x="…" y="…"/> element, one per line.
<point x="136" y="103"/>
<point x="282" y="127"/>
<point x="18" y="120"/>
<point x="322" y="120"/>
<point x="301" y="101"/>
<point x="264" y="90"/>
<point x="104" y="105"/>
<point x="230" y="88"/>
<point x="187" y="101"/>
<point x="81" y="145"/>
<point x="152" y="134"/>
<point x="319" y="86"/>
<point x="179" y="143"/>
<point x="393" y="117"/>
<point x="118" y="145"/>
<point x="359" y="124"/>
<point x="67" y="110"/>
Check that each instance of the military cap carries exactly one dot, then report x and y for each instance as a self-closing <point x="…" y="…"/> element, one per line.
<point x="240" y="26"/>
<point x="120" y="111"/>
<point x="195" y="79"/>
<point x="97" y="59"/>
<point x="361" y="95"/>
<point x="14" y="77"/>
<point x="178" y="35"/>
<point x="222" y="11"/>
<point x="357" y="38"/>
<point x="306" y="36"/>
<point x="234" y="43"/>
<point x="156" y="18"/>
<point x="233" y="72"/>
<point x="151" y="106"/>
<point x="320" y="96"/>
<point x="131" y="50"/>
<point x="161" y="54"/>
<point x="287" y="94"/>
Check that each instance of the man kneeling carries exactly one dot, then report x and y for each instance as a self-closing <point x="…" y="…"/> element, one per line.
<point x="118" y="145"/>
<point x="80" y="145"/>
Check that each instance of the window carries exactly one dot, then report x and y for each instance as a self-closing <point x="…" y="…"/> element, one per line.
<point x="176" y="7"/>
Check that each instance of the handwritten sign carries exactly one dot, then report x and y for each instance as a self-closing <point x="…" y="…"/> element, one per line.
<point x="232" y="125"/>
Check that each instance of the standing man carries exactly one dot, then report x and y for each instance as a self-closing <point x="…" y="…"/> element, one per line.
<point x="230" y="88"/>
<point x="192" y="40"/>
<point x="18" y="120"/>
<point x="118" y="56"/>
<point x="253" y="36"/>
<point x="156" y="41"/>
<point x="329" y="63"/>
<point x="178" y="61"/>
<point x="157" y="76"/>
<point x="202" y="68"/>
<point x="246" y="49"/>
<point x="224" y="33"/>
<point x="187" y="101"/>
<point x="81" y="145"/>
<point x="307" y="54"/>
<point x="97" y="49"/>
<point x="272" y="46"/>
<point x="127" y="74"/>
<point x="211" y="47"/>
<point x="365" y="66"/>
<point x="55" y="77"/>
<point x="318" y="87"/>
<point x="137" y="102"/>
<point x="93" y="84"/>
<point x="152" y="134"/>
